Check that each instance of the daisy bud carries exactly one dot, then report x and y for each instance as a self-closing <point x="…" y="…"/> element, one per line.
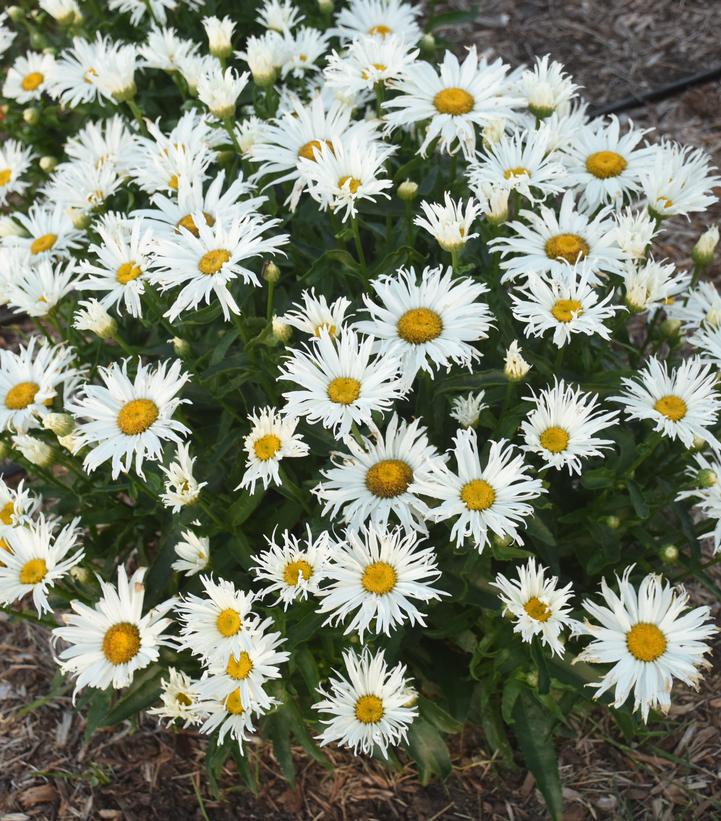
<point x="325" y="6"/>
<point x="515" y="367"/>
<point x="670" y="327"/>
<point x="124" y="92"/>
<point x="271" y="272"/>
<point x="612" y="522"/>
<point x="220" y="33"/>
<point x="706" y="478"/>
<point x="91" y="316"/>
<point x="407" y="190"/>
<point x="500" y="542"/>
<point x="80" y="219"/>
<point x="428" y="43"/>
<point x="64" y="11"/>
<point x="15" y="13"/>
<point x="61" y="424"/>
<point x="704" y="249"/>
<point x="180" y="346"/>
<point x="532" y="679"/>
<point x="668" y="554"/>
<point x="47" y="164"/>
<point x="81" y="574"/>
<point x="697" y="444"/>
<point x="31" y="115"/>
<point x="34" y="450"/>
<point x="282" y="331"/>
<point x="69" y="442"/>
<point x="38" y="41"/>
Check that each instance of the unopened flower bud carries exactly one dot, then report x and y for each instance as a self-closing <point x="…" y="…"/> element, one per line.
<point x="282" y="331"/>
<point x="704" y="249"/>
<point x="515" y="367"/>
<point x="220" y="33"/>
<point x="541" y="101"/>
<point x="532" y="678"/>
<point x="697" y="444"/>
<point x="180" y="346"/>
<point x="495" y="205"/>
<point x="71" y="443"/>
<point x="612" y="522"/>
<point x="34" y="450"/>
<point x="15" y="13"/>
<point x="61" y="424"/>
<point x="501" y="541"/>
<point x="80" y="574"/>
<point x="38" y="41"/>
<point x="80" y="219"/>
<point x="325" y="6"/>
<point x="125" y="93"/>
<point x="31" y="115"/>
<point x="706" y="478"/>
<point x="670" y="327"/>
<point x="668" y="554"/>
<point x="271" y="272"/>
<point x="428" y="43"/>
<point x="47" y="164"/>
<point x="407" y="190"/>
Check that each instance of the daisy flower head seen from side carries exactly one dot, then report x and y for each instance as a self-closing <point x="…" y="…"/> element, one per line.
<point x="36" y="556"/>
<point x="546" y="87"/>
<point x="565" y="303"/>
<point x="372" y="482"/>
<point x="562" y="428"/>
<point x="18" y="505"/>
<point x="653" y="285"/>
<point x="634" y="232"/>
<point x="699" y="310"/>
<point x="193" y="552"/>
<point x="484" y="499"/>
<point x="705" y="479"/>
<point x="229" y="716"/>
<point x="314" y="314"/>
<point x="536" y="603"/>
<point x="377" y="576"/>
<point x="682" y="402"/>
<point x="450" y="222"/>
<point x="650" y="637"/>
<point x="340" y="383"/>
<point x="380" y="19"/>
<point x="466" y="410"/>
<point x="15" y="160"/>
<point x="279" y="15"/>
<point x="178" y="699"/>
<point x="428" y="324"/>
<point x="292" y="567"/>
<point x="370" y="708"/>
<point x="128" y="420"/>
<point x="181" y="487"/>
<point x="454" y="100"/>
<point x="272" y="438"/>
<point x="109" y="642"/>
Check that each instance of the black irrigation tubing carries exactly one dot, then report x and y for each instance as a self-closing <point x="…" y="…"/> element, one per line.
<point x="660" y="93"/>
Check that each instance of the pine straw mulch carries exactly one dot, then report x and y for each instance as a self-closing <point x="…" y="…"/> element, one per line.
<point x="47" y="769"/>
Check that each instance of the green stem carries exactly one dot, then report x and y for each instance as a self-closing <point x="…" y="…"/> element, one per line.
<point x="269" y="303"/>
<point x="455" y="259"/>
<point x="138" y="114"/>
<point x="359" y="249"/>
<point x="205" y="507"/>
<point x="228" y="124"/>
<point x="48" y="621"/>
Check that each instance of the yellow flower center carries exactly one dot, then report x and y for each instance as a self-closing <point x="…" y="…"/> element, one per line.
<point x="127" y="272"/>
<point x="567" y="309"/>
<point x="453" y="101"/>
<point x="518" y="171"/>
<point x="645" y="641"/>
<point x="389" y="478"/>
<point x="173" y="182"/>
<point x="21" y="395"/>
<point x="307" y="151"/>
<point x="137" y="416"/>
<point x="233" y="704"/>
<point x="325" y="326"/>
<point x="7" y="512"/>
<point x="188" y="223"/>
<point x="89" y="74"/>
<point x="121" y="643"/>
<point x="664" y="202"/>
<point x="605" y="164"/>
<point x="379" y="578"/>
<point x="267" y="446"/>
<point x="228" y="622"/>
<point x="672" y="407"/>
<point x="369" y="709"/>
<point x="43" y="243"/>
<point x="381" y="29"/>
<point x="420" y="325"/>
<point x="6" y="175"/>
<point x="294" y="570"/>
<point x="212" y="261"/>
<point x="185" y="701"/>
<point x="344" y="390"/>
<point x="33" y="571"/>
<point x="537" y="610"/>
<point x="31" y="81"/>
<point x="478" y="495"/>
<point x="570" y="247"/>
<point x="554" y="439"/>
<point x="353" y="183"/>
<point x="239" y="668"/>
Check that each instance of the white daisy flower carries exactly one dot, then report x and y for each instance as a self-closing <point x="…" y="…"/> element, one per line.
<point x="523" y="162"/>
<point x="314" y="314"/>
<point x="340" y="382"/>
<point x="453" y="100"/>
<point x="181" y="487"/>
<point x="18" y="506"/>
<point x="368" y="60"/>
<point x="302" y="51"/>
<point x="679" y="180"/>
<point x="64" y="11"/>
<point x="428" y="325"/>
<point x="466" y="410"/>
<point x="193" y="553"/>
<point x="110" y="642"/>
<point x="547" y="242"/>
<point x="538" y="606"/>
<point x="15" y="159"/>
<point x="634" y="232"/>
<point x="604" y="164"/>
<point x="562" y="426"/>
<point x="29" y="76"/>
<point x="36" y="290"/>
<point x="179" y="699"/>
<point x="708" y="343"/>
<point x="379" y="18"/>
<point x="706" y="494"/>
<point x="193" y="66"/>
<point x="653" y="285"/>
<point x="165" y="50"/>
<point x="49" y="231"/>
<point x="345" y="171"/>
<point x="81" y="187"/>
<point x="272" y="438"/>
<point x="374" y="480"/>
<point x="377" y="576"/>
<point x="565" y="303"/>
<point x="218" y="624"/>
<point x="74" y="78"/>
<point x="515" y="366"/>
<point x="449" y="223"/>
<point x="279" y="15"/>
<point x="204" y="265"/>
<point x="219" y="90"/>
<point x="227" y="715"/>
<point x="157" y="10"/>
<point x="29" y="381"/>
<point x="265" y="55"/>
<point x="682" y="402"/>
<point x="6" y="35"/>
<point x="492" y="497"/>
<point x="115" y="74"/>
<point x="106" y="142"/>
<point x="34" y="450"/>
<point x="546" y="87"/>
<point x="701" y="309"/>
<point x="91" y="316"/>
<point x="35" y="558"/>
<point x="220" y="35"/>
<point x="650" y="637"/>
<point x="128" y="420"/>
<point x="370" y="709"/>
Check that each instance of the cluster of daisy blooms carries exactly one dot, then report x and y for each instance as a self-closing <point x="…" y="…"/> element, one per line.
<point x="184" y="254"/>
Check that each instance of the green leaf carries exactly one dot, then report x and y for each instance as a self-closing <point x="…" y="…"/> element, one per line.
<point x="537" y="529"/>
<point x="276" y="727"/>
<point x="637" y="499"/>
<point x="534" y="731"/>
<point x="428" y="749"/>
<point x="437" y="716"/>
<point x="144" y="690"/>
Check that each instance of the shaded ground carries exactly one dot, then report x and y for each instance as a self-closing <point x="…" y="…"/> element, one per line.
<point x="48" y="771"/>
